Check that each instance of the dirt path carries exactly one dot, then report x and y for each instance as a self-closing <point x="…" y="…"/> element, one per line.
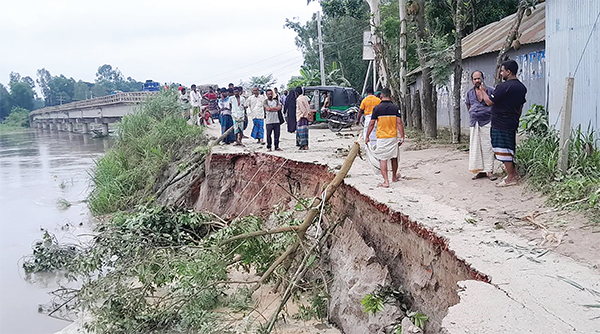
<point x="543" y="270"/>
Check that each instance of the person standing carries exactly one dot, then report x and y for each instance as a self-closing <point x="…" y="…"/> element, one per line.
<point x="289" y="109"/>
<point x="236" y="103"/>
<point x="225" y="116"/>
<point x="507" y="105"/>
<point x="273" y="120"/>
<point x="366" y="108"/>
<point x="390" y="135"/>
<point x="196" y="101"/>
<point x="211" y="97"/>
<point x="481" y="155"/>
<point x="284" y="97"/>
<point x="303" y="116"/>
<point x="256" y="109"/>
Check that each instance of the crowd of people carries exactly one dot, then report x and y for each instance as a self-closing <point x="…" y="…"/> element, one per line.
<point x="494" y="119"/>
<point x="264" y="110"/>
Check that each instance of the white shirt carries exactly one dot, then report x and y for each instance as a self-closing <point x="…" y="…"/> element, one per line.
<point x="196" y="99"/>
<point x="256" y="106"/>
<point x="237" y="109"/>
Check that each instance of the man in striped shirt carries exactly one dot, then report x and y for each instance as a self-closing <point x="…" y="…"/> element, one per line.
<point x="390" y="135"/>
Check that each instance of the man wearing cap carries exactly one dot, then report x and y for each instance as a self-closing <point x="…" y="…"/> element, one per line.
<point x="507" y="105"/>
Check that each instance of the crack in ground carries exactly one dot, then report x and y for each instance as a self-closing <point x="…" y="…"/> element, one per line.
<point x="528" y="308"/>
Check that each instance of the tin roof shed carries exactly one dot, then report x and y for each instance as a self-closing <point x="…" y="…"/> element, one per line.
<point x="491" y="37"/>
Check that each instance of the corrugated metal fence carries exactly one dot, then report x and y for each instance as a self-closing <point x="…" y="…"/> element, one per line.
<point x="568" y="27"/>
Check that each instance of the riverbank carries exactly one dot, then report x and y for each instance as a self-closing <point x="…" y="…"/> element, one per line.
<point x="540" y="261"/>
<point x="459" y="246"/>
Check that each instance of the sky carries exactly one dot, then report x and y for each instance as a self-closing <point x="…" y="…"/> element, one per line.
<point x="187" y="42"/>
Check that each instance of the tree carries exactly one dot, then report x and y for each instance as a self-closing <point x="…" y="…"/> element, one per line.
<point x="512" y="35"/>
<point x="343" y="23"/>
<point x="21" y="92"/>
<point x="5" y="102"/>
<point x="106" y="72"/>
<point x="262" y="82"/>
<point x="458" y="70"/>
<point x="429" y="110"/>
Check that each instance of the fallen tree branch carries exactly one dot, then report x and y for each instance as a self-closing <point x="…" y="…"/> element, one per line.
<point x="313" y="212"/>
<point x="300" y="272"/>
<point x="259" y="233"/>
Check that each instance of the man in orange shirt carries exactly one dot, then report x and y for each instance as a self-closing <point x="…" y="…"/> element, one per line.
<point x="390" y="135"/>
<point x="366" y="107"/>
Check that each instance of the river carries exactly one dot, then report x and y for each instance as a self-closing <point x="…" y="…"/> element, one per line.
<point x="36" y="169"/>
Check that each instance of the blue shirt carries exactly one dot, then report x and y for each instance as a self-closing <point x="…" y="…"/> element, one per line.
<point x="480" y="112"/>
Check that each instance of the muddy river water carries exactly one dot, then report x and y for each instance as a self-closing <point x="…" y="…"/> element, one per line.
<point x="37" y="169"/>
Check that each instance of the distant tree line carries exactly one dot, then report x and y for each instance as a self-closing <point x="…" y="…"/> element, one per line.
<point x="58" y="89"/>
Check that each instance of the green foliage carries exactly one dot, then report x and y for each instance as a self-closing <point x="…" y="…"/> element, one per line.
<point x="241" y="300"/>
<point x="48" y="255"/>
<point x="418" y="318"/>
<point x="263" y="82"/>
<point x="144" y="272"/>
<point x="343" y="23"/>
<point x="317" y="309"/>
<point x="18" y="118"/>
<point x="312" y="77"/>
<point x="259" y="252"/>
<point x="372" y="303"/>
<point x="535" y="121"/>
<point x="537" y="158"/>
<point x="148" y="140"/>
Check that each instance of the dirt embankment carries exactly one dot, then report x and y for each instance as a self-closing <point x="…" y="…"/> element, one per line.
<point x="374" y="246"/>
<point x="459" y="246"/>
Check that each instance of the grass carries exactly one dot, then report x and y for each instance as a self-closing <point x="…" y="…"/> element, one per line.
<point x="444" y="138"/>
<point x="579" y="187"/>
<point x="148" y="140"/>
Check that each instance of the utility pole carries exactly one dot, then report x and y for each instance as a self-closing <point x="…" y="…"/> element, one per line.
<point x="321" y="59"/>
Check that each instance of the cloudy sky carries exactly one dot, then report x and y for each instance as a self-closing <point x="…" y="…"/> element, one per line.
<point x="196" y="41"/>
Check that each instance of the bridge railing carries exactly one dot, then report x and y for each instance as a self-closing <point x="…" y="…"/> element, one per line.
<point x="130" y="97"/>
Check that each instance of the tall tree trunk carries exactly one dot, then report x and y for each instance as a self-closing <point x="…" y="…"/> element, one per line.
<point x="510" y="38"/>
<point x="403" y="54"/>
<point x="458" y="70"/>
<point x="408" y="120"/>
<point x="416" y="110"/>
<point x="429" y="110"/>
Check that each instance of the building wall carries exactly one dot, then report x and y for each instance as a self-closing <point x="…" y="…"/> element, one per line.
<point x="532" y="67"/>
<point x="568" y="26"/>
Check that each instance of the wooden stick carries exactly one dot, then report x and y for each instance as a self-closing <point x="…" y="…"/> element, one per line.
<point x="259" y="233"/>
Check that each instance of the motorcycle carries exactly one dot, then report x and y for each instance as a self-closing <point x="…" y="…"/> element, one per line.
<point x="339" y="119"/>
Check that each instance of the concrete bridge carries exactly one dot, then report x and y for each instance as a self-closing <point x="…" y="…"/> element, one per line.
<point x="101" y="110"/>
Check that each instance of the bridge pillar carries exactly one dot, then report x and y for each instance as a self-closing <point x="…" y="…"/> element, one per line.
<point x="105" y="129"/>
<point x="86" y="127"/>
<point x="71" y="127"/>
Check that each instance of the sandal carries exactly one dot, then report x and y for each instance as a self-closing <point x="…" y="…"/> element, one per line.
<point x="479" y="176"/>
<point x="503" y="184"/>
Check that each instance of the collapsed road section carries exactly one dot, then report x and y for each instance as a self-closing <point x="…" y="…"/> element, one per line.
<point x="466" y="278"/>
<point x="375" y="246"/>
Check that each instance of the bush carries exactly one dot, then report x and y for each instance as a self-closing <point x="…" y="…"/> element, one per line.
<point x="148" y="140"/>
<point x="18" y="118"/>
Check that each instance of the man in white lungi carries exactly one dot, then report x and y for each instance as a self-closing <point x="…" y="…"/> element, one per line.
<point x="366" y="108"/>
<point x="481" y="155"/>
<point x="390" y="135"/>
